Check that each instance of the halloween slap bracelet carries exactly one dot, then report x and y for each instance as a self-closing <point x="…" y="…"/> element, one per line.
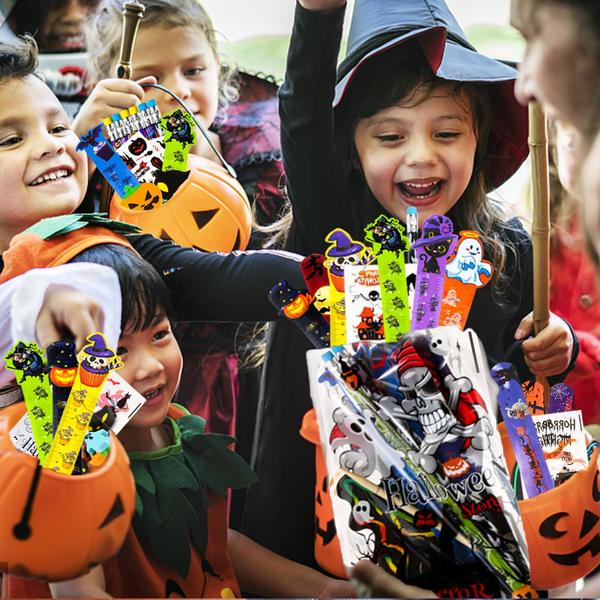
<point x="40" y="500"/>
<point x="561" y="518"/>
<point x="159" y="185"/>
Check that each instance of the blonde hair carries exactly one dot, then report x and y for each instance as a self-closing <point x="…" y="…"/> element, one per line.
<point x="103" y="38"/>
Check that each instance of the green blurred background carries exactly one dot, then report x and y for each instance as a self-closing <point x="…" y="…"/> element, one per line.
<point x="266" y="54"/>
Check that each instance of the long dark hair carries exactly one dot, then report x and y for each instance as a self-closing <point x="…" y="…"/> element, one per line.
<point x="145" y="297"/>
<point x="407" y="79"/>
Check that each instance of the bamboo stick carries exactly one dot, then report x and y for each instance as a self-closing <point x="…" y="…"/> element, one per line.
<point x="540" y="232"/>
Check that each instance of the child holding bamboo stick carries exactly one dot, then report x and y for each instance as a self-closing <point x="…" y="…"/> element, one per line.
<point x="415" y="118"/>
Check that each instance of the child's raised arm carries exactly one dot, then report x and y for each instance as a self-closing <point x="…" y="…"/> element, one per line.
<point x="306" y="113"/>
<point x="109" y="96"/>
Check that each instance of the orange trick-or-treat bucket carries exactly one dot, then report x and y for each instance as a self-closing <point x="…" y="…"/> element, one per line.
<point x="562" y="526"/>
<point x="57" y="527"/>
<point x="208" y="211"/>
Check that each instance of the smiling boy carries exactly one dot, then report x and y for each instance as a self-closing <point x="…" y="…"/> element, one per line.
<point x="42" y="173"/>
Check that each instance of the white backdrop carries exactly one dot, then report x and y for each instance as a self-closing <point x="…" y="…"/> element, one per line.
<point x="240" y="19"/>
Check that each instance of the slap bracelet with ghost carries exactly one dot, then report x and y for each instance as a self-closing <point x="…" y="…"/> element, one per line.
<point x="466" y="272"/>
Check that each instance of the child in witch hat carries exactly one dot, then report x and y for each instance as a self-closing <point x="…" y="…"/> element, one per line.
<point x="414" y="117"/>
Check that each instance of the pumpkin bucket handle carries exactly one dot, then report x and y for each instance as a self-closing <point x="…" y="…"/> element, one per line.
<point x="201" y="129"/>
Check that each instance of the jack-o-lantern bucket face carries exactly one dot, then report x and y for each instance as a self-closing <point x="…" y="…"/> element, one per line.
<point x="209" y="211"/>
<point x="56" y="527"/>
<point x="562" y="526"/>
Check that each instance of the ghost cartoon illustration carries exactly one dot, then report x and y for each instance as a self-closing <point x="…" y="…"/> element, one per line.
<point x="467" y="264"/>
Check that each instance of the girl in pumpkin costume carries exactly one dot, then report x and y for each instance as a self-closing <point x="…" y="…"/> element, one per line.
<point x="179" y="541"/>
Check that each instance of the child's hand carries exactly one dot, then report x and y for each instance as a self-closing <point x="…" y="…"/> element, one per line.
<point x="549" y="352"/>
<point x="108" y="97"/>
<point x="66" y="311"/>
<point x="322" y="5"/>
<point x="373" y="582"/>
<point x="337" y="588"/>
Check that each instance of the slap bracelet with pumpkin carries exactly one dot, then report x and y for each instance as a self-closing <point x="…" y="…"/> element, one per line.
<point x="390" y="243"/>
<point x="96" y="360"/>
<point x="299" y="307"/>
<point x="29" y="365"/>
<point x="62" y="368"/>
<point x="466" y="272"/>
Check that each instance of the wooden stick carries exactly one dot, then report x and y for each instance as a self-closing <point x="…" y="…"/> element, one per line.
<point x="540" y="232"/>
<point x="133" y="11"/>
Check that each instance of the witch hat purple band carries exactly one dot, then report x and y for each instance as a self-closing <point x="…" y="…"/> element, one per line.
<point x="344" y="244"/>
<point x="380" y="26"/>
<point x="97" y="346"/>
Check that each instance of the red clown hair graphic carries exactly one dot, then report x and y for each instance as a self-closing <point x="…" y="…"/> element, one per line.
<point x="407" y="357"/>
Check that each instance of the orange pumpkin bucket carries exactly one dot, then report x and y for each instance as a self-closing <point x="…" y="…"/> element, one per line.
<point x="562" y="526"/>
<point x="327" y="544"/>
<point x="55" y="527"/>
<point x="209" y="211"/>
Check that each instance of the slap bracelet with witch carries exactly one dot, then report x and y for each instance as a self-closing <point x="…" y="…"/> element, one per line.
<point x="390" y="244"/>
<point x="29" y="365"/>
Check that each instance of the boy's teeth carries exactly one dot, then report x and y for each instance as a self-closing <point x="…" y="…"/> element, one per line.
<point x="50" y="177"/>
